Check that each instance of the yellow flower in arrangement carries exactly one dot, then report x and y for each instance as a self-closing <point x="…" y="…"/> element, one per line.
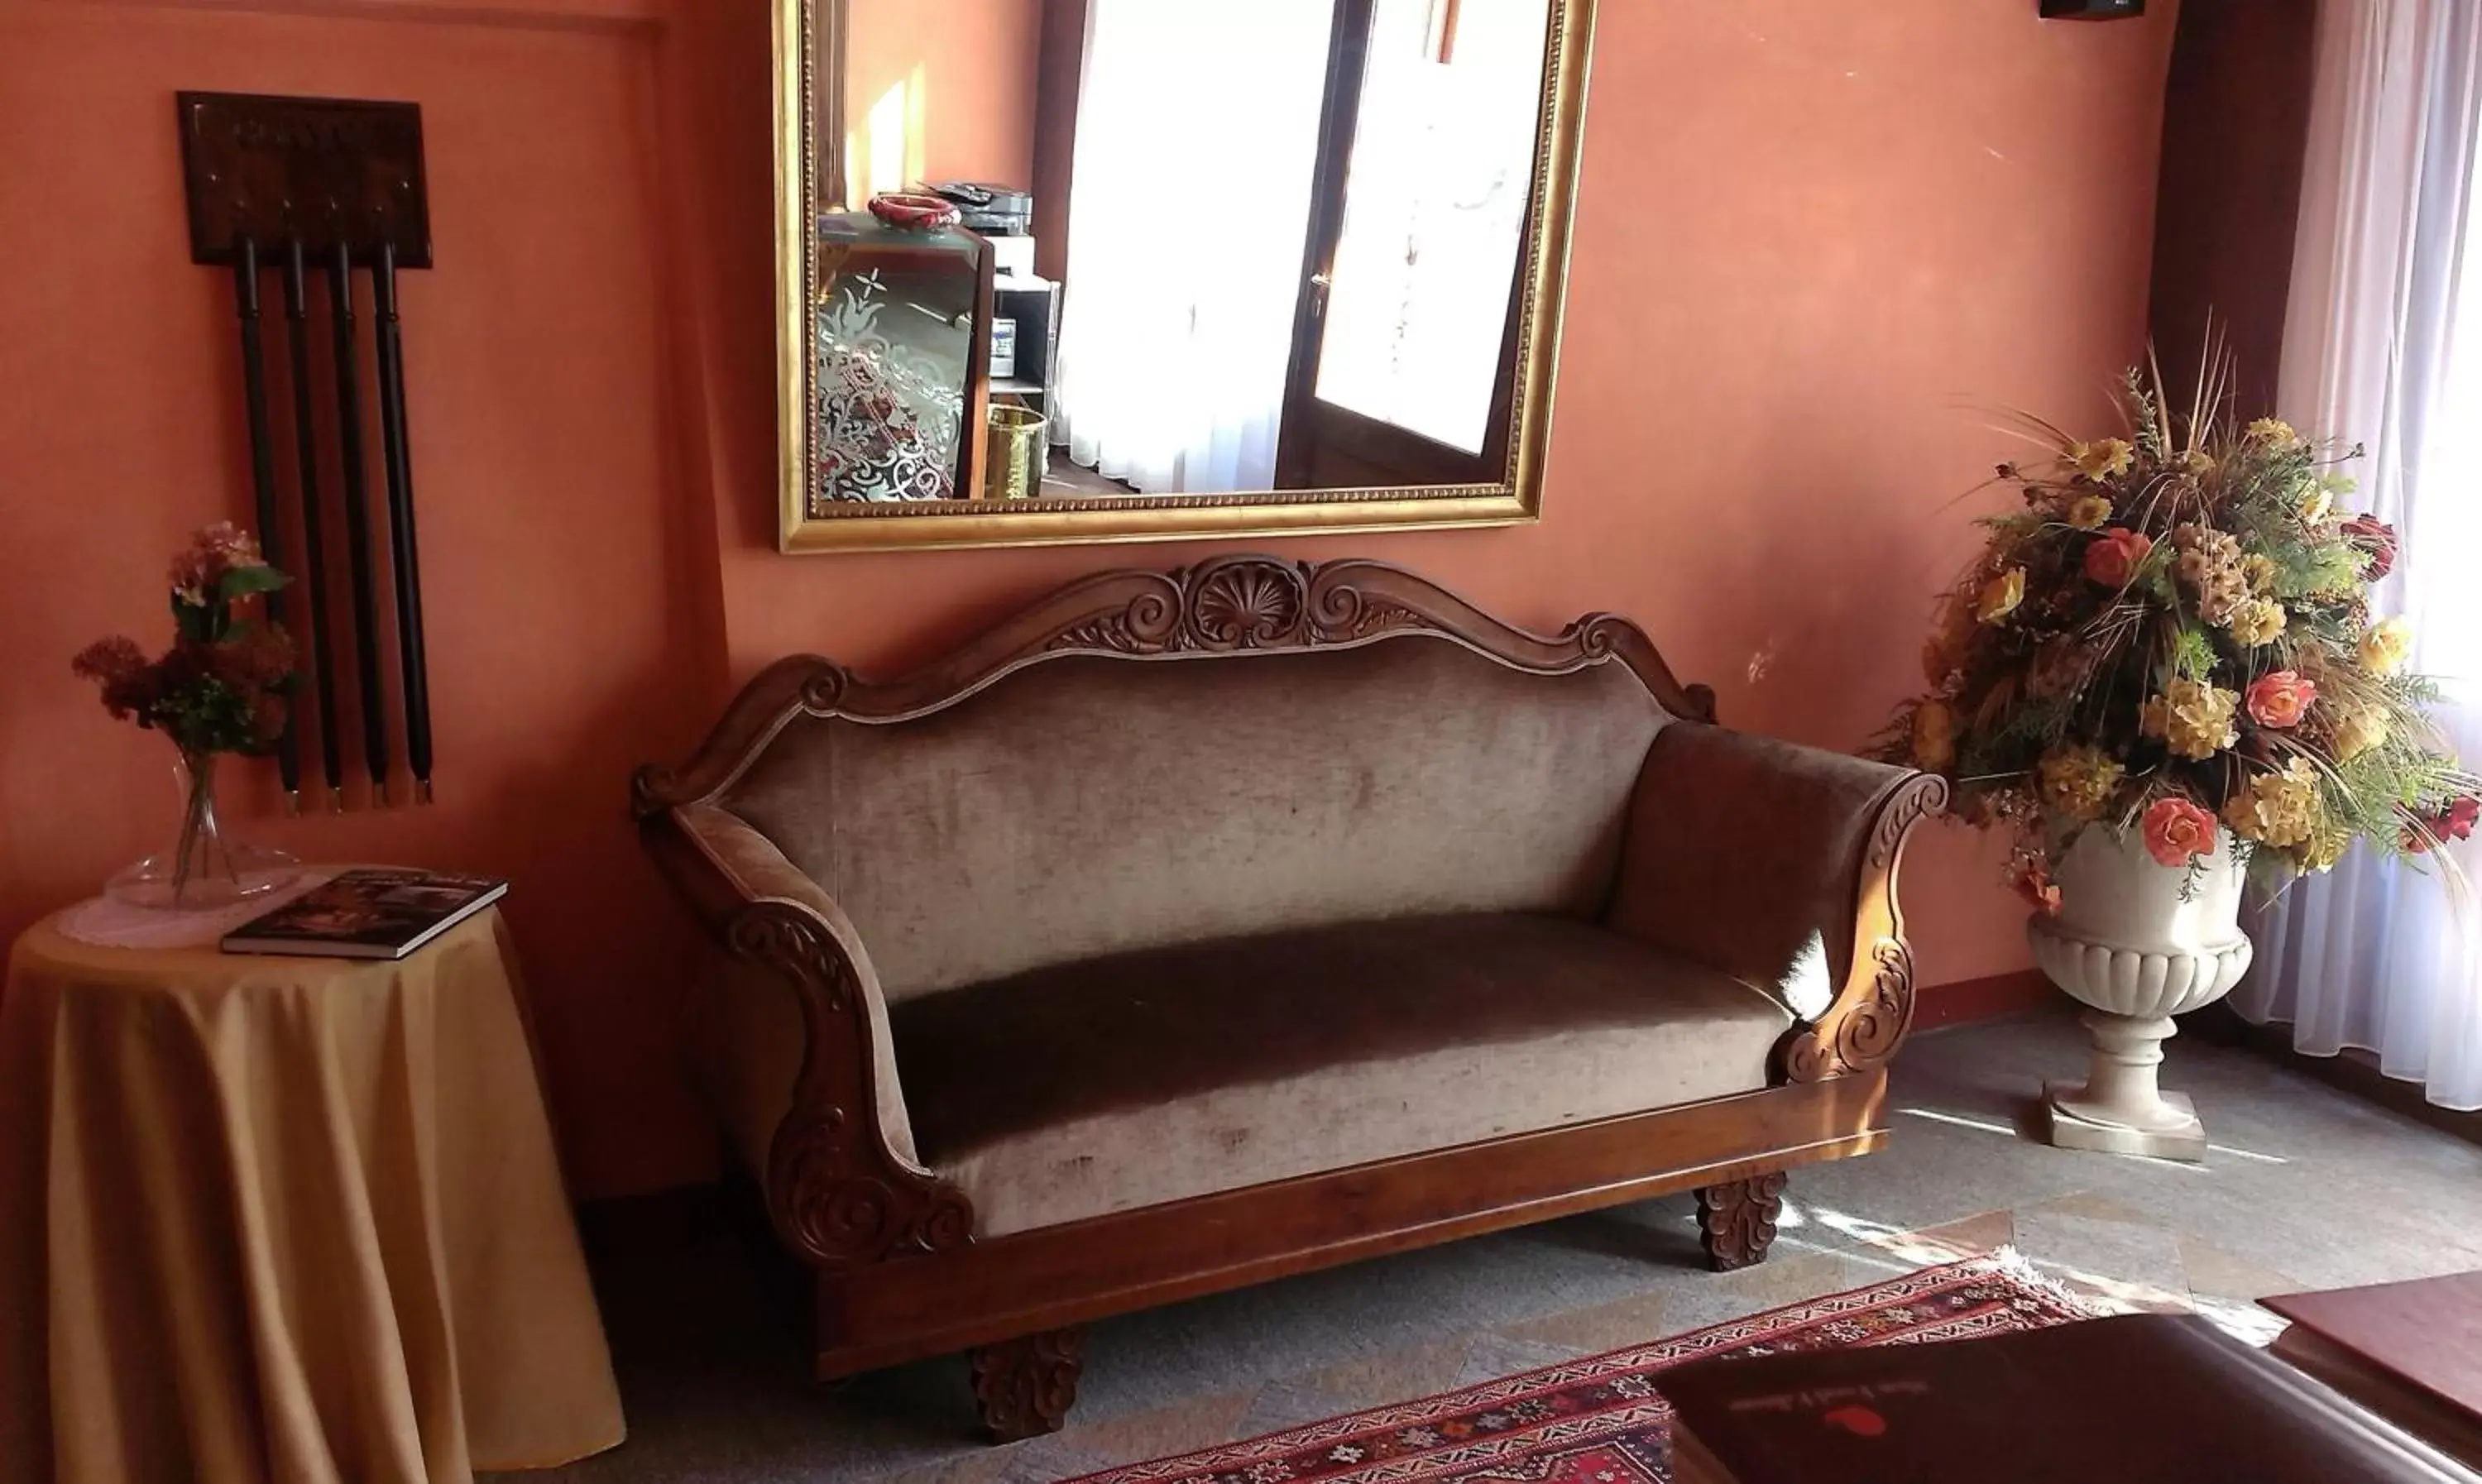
<point x="2258" y="571"/>
<point x="2274" y="432"/>
<point x="2193" y="718"/>
<point x="2102" y="459"/>
<point x="2359" y="730"/>
<point x="2258" y="622"/>
<point x="2209" y="564"/>
<point x="2000" y="597"/>
<point x="1934" y="736"/>
<point x="2386" y="647"/>
<point x="2206" y="544"/>
<point x="2088" y="512"/>
<point x="2077" y="781"/>
<point x="2328" y="843"/>
<point x="2317" y="506"/>
<point x="2280" y="810"/>
<point x="2197" y="464"/>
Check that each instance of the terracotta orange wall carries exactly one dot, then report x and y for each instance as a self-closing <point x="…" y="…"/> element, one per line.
<point x="1814" y="244"/>
<point x="975" y="62"/>
<point x="571" y="583"/>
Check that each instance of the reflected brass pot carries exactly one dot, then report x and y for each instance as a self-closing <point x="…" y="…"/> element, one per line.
<point x="1014" y="452"/>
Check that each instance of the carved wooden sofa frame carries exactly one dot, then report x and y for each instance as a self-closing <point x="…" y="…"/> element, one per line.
<point x="899" y="1273"/>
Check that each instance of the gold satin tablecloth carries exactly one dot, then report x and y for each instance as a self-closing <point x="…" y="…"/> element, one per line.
<point x="284" y="1219"/>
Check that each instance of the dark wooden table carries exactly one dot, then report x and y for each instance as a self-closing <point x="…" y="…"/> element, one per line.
<point x="2411" y="1352"/>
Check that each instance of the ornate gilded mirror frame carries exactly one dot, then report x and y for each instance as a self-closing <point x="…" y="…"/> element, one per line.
<point x="810" y="92"/>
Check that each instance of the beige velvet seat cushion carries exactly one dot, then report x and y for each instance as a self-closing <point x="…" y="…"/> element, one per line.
<point x="1152" y="1077"/>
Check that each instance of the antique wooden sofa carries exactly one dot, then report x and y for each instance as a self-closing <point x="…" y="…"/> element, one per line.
<point x="1192" y="929"/>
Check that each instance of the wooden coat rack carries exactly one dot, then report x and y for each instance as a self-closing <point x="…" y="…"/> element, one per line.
<point x="292" y="185"/>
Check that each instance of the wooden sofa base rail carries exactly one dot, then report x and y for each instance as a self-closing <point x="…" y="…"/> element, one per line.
<point x="1024" y="1388"/>
<point x="993" y="1294"/>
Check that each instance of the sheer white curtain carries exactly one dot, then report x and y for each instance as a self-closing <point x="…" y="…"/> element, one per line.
<point x="2384" y="344"/>
<point x="1189" y="214"/>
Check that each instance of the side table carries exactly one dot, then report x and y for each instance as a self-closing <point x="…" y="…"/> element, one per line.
<point x="2411" y="1352"/>
<point x="284" y="1219"/>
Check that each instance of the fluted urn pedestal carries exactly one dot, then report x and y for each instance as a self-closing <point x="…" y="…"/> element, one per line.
<point x="2136" y="943"/>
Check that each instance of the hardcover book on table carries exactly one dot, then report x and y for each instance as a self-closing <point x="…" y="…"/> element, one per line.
<point x="367" y="913"/>
<point x="2138" y="1399"/>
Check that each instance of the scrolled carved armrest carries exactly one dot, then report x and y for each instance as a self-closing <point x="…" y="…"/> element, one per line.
<point x="844" y="1186"/>
<point x="1776" y="864"/>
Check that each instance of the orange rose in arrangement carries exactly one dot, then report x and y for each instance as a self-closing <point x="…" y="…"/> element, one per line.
<point x="2113" y="558"/>
<point x="2454" y="822"/>
<point x="2030" y="877"/>
<point x="2281" y="698"/>
<point x="2177" y="832"/>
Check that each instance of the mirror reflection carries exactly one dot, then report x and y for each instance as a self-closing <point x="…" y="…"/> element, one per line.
<point x="1104" y="248"/>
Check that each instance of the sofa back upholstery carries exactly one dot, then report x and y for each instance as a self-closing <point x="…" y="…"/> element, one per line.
<point x="1092" y="803"/>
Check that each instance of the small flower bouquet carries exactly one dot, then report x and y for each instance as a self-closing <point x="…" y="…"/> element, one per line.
<point x="2175" y="631"/>
<point x="220" y="689"/>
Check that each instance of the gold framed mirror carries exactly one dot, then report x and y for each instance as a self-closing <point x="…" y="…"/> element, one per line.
<point x="1060" y="270"/>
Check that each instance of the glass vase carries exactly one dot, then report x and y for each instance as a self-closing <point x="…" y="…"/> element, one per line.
<point x="203" y="870"/>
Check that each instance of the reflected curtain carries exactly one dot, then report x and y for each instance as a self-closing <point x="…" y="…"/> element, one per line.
<point x="2383" y="343"/>
<point x="1189" y="215"/>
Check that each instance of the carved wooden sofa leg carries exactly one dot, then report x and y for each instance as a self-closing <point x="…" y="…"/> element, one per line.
<point x="1025" y="1387"/>
<point x="1736" y="1220"/>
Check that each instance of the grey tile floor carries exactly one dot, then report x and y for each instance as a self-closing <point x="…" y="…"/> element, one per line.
<point x="2304" y="1187"/>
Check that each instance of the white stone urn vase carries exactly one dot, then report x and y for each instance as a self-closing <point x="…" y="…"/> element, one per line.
<point x="2137" y="943"/>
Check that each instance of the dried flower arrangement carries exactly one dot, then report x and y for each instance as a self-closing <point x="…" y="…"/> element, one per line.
<point x="2175" y="631"/>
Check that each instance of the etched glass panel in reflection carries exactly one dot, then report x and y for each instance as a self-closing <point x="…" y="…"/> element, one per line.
<point x="894" y="335"/>
<point x="1441" y="181"/>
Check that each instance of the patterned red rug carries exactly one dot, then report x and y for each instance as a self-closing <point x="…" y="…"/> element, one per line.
<point x="1598" y="1420"/>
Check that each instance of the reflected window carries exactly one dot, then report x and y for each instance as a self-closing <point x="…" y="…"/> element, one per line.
<point x="1197" y="149"/>
<point x="1435" y="204"/>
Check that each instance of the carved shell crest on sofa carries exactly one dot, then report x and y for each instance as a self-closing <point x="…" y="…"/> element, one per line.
<point x="1241" y="603"/>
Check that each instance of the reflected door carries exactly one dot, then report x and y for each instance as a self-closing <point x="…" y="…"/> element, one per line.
<point x="1401" y="371"/>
